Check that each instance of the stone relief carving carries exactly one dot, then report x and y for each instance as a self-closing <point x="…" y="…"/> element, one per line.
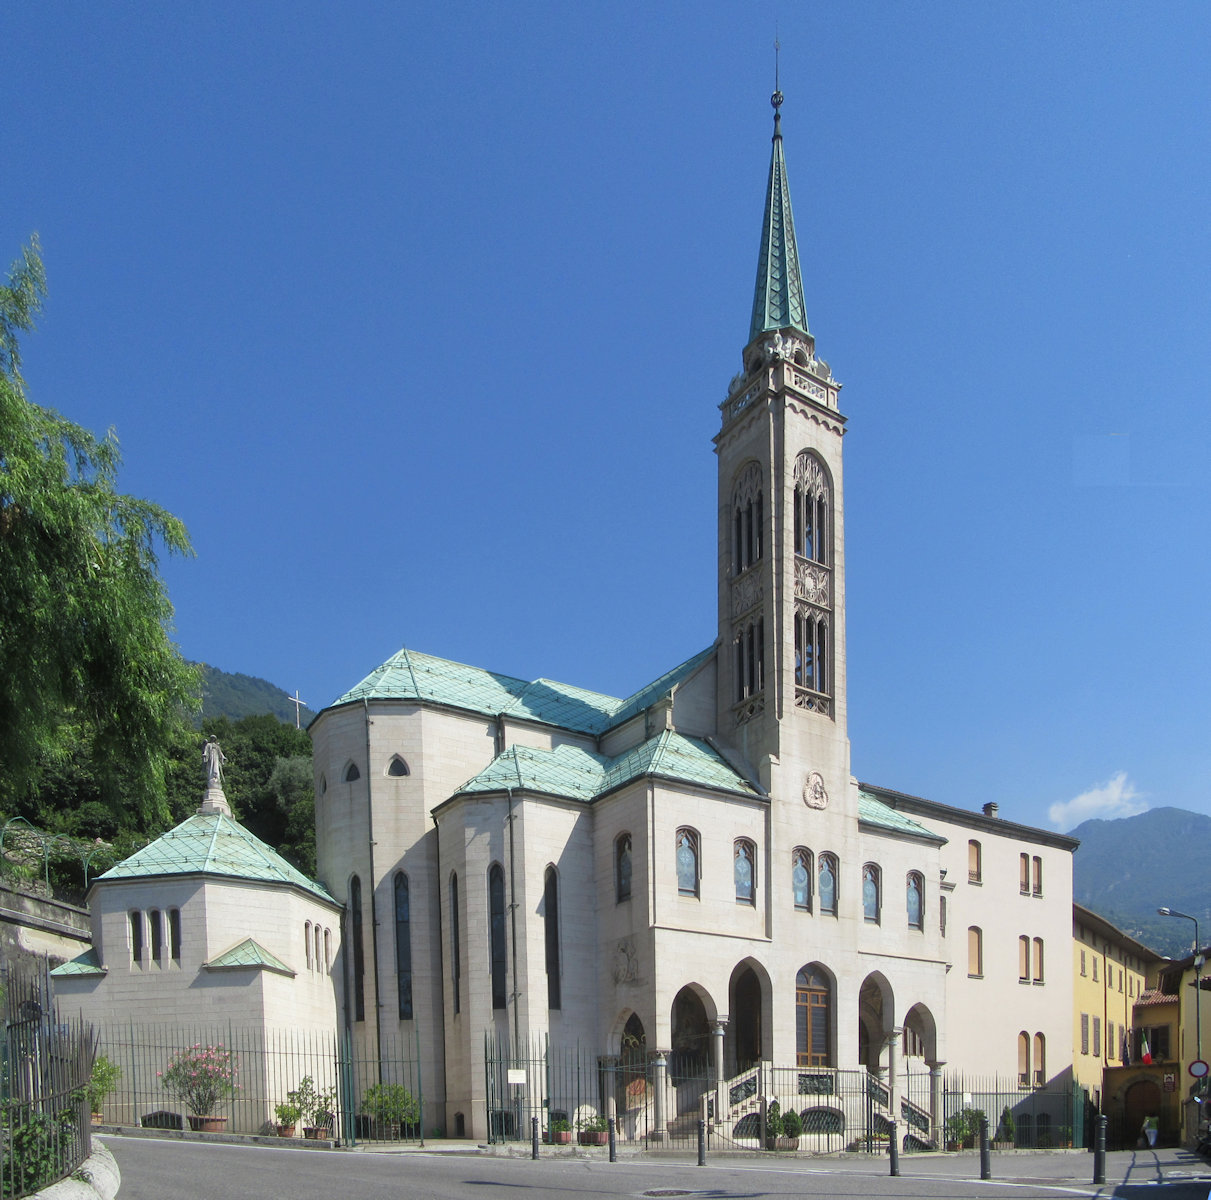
<point x="746" y="593"/>
<point x="812" y="583"/>
<point x="746" y="710"/>
<point x="814" y="794"/>
<point x="626" y="962"/>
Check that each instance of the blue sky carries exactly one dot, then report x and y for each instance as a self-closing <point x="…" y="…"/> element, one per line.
<point x="419" y="317"/>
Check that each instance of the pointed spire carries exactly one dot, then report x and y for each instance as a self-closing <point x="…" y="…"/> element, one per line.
<point x="778" y="300"/>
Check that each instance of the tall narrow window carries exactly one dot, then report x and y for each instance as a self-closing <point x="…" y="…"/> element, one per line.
<point x="975" y="952"/>
<point x="359" y="953"/>
<point x="316" y="934"/>
<point x="136" y="937"/>
<point x="455" y="959"/>
<point x="870" y="894"/>
<point x="812" y="520"/>
<point x="750" y="658"/>
<point x="1097" y="1037"/>
<point x="687" y="862"/>
<point x="1040" y="1060"/>
<point x="403" y="946"/>
<point x="813" y="1003"/>
<point x="975" y="866"/>
<point x="327" y="950"/>
<point x="622" y="867"/>
<point x="827" y="884"/>
<point x="1084" y="1033"/>
<point x="942" y="915"/>
<point x="813" y="585"/>
<point x="157" y="936"/>
<point x="1024" y="874"/>
<point x="174" y="934"/>
<point x="1038" y="960"/>
<point x="1037" y="887"/>
<point x="1023" y="959"/>
<point x="1024" y="1058"/>
<point x="496" y="935"/>
<point x="744" y="867"/>
<point x="747" y="519"/>
<point x="914" y="900"/>
<point x="307" y="943"/>
<point x="801" y="879"/>
<point x="550" y="923"/>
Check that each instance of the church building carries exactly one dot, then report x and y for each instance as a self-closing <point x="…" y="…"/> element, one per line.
<point x="693" y="868"/>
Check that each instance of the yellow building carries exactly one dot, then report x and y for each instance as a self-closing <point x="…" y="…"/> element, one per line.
<point x="1111" y="971"/>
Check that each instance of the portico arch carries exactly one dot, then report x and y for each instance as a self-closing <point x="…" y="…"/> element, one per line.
<point x="750" y="1017"/>
<point x="876" y="1019"/>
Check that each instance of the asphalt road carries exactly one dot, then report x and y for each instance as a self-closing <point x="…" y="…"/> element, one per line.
<point x="186" y="1170"/>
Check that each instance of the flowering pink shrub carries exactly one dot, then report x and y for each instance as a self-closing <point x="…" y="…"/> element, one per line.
<point x="201" y="1076"/>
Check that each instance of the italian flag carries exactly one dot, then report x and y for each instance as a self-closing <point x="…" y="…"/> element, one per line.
<point x="1145" y="1050"/>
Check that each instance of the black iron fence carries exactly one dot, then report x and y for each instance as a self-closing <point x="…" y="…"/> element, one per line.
<point x="263" y="1080"/>
<point x="45" y="1066"/>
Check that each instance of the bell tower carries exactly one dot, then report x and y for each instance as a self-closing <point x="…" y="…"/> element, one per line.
<point x="781" y="691"/>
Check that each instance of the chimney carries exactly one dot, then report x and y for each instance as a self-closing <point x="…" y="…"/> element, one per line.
<point x="990" y="809"/>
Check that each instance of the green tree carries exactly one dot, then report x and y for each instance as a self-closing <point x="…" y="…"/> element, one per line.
<point x="85" y="652"/>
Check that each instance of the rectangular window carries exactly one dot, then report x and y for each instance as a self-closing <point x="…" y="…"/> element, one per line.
<point x="1097" y="1037"/>
<point x="975" y="953"/>
<point x="1084" y="1033"/>
<point x="157" y="935"/>
<point x="942" y="915"/>
<point x="1082" y="962"/>
<point x="1120" y="979"/>
<point x="1109" y="1039"/>
<point x="1095" y="968"/>
<point x="174" y="934"/>
<point x="136" y="937"/>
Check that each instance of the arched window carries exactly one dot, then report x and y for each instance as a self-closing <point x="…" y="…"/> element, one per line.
<point x="397" y="766"/>
<point x="157" y="935"/>
<point x="687" y="862"/>
<point x="748" y="519"/>
<point x="1024" y="1059"/>
<point x="870" y="893"/>
<point x="455" y="958"/>
<point x="801" y="879"/>
<point x="811" y="650"/>
<point x="749" y="651"/>
<point x="136" y="937"/>
<point x="307" y="943"/>
<point x="974" y="862"/>
<point x="359" y="953"/>
<point x="403" y="946"/>
<point x="1040" y="1060"/>
<point x="352" y="773"/>
<point x="550" y="923"/>
<point x="174" y="934"/>
<point x="744" y="871"/>
<point x="975" y="952"/>
<point x="327" y="950"/>
<point x="496" y="936"/>
<point x="813" y="1005"/>
<point x="1038" y="876"/>
<point x="813" y="521"/>
<point x="1024" y="874"/>
<point x="1023" y="959"/>
<point x="1038" y="960"/>
<point x="622" y="867"/>
<point x="915" y="900"/>
<point x="827" y="884"/>
<point x="316" y="933"/>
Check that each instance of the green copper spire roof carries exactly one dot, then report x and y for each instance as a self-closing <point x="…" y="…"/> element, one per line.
<point x="778" y="300"/>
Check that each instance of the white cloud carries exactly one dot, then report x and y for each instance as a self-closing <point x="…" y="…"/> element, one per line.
<point x="1117" y="797"/>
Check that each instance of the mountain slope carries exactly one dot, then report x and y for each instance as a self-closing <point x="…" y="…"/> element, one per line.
<point x="1126" y="869"/>
<point x="234" y="695"/>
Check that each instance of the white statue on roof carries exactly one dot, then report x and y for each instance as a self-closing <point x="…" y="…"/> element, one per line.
<point x="214" y="758"/>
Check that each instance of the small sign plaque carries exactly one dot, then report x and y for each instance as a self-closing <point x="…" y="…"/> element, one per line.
<point x="1170" y="1081"/>
<point x="517" y="1075"/>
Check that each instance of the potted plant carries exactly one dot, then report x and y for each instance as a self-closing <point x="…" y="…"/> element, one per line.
<point x="103" y="1082"/>
<point x="1006" y="1133"/>
<point x="792" y="1127"/>
<point x="288" y="1112"/>
<point x="202" y="1076"/>
<point x="389" y="1106"/>
<point x="560" y="1133"/>
<point x="594" y="1130"/>
<point x="315" y="1107"/>
<point x="773" y="1125"/>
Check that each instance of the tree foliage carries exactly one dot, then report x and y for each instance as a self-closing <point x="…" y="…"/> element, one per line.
<point x="87" y="666"/>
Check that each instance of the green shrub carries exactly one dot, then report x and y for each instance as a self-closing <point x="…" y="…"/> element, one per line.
<point x="390" y="1104"/>
<point x="792" y="1124"/>
<point x="102" y="1083"/>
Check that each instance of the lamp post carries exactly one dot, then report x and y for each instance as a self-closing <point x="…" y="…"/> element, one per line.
<point x="1198" y="977"/>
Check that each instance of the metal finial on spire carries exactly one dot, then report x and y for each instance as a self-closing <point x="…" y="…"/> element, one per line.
<point x="776" y="98"/>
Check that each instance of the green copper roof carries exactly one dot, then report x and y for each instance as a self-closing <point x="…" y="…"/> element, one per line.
<point x="875" y="812"/>
<point x="211" y="843"/>
<point x="778" y="299"/>
<point x="577" y="774"/>
<point x="248" y="953"/>
<point x="409" y="675"/>
<point x="83" y="964"/>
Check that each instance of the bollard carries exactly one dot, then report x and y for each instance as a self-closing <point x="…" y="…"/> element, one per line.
<point x="613" y="1140"/>
<point x="893" y="1144"/>
<point x="701" y="1142"/>
<point x="533" y="1137"/>
<point x="1099" y="1149"/>
<point x="985" y="1155"/>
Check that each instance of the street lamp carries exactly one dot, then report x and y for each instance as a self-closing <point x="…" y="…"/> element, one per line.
<point x="1198" y="976"/>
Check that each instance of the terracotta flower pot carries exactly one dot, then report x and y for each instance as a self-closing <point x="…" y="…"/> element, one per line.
<point x="207" y="1124"/>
